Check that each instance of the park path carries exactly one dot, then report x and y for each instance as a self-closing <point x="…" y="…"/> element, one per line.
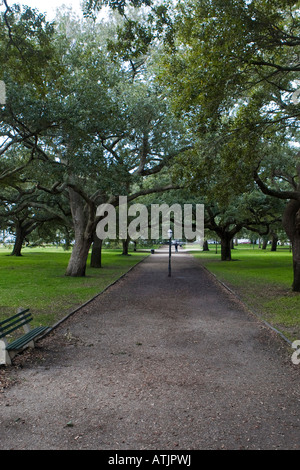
<point x="156" y="362"/>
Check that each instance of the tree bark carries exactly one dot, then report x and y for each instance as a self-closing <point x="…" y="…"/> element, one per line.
<point x="291" y="223"/>
<point x="265" y="243"/>
<point x="274" y="242"/>
<point x="205" y="245"/>
<point x="20" y="237"/>
<point x="23" y="229"/>
<point x="125" y="247"/>
<point x="78" y="259"/>
<point x="96" y="256"/>
<point x="83" y="230"/>
<point x="225" y="247"/>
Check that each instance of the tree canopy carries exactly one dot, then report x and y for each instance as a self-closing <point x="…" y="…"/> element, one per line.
<point x="195" y="94"/>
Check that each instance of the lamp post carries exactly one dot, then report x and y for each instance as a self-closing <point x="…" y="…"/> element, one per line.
<point x="170" y="238"/>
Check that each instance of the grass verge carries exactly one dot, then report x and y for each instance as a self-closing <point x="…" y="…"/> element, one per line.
<point x="37" y="280"/>
<point x="262" y="279"/>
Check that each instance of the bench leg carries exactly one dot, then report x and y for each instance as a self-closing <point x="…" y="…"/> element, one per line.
<point x="27" y="329"/>
<point x="4" y="356"/>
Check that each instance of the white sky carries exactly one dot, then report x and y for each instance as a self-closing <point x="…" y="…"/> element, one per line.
<point x="47" y="7"/>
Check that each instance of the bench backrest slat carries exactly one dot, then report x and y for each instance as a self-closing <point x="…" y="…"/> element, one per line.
<point x="10" y="319"/>
<point x="13" y="323"/>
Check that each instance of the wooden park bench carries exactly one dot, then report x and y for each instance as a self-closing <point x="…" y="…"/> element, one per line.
<point x="21" y="319"/>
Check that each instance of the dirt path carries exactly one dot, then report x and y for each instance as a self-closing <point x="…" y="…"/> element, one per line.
<point x="156" y="363"/>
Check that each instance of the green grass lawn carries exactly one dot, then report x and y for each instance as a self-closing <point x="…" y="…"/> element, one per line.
<point x="37" y="280"/>
<point x="263" y="280"/>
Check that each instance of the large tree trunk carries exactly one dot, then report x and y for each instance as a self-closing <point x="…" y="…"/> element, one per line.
<point x="125" y="244"/>
<point x="225" y="247"/>
<point x="265" y="243"/>
<point x="23" y="228"/>
<point x="96" y="256"/>
<point x="274" y="241"/>
<point x="83" y="229"/>
<point x="296" y="263"/>
<point x="78" y="259"/>
<point x="205" y="245"/>
<point x="20" y="237"/>
<point x="291" y="223"/>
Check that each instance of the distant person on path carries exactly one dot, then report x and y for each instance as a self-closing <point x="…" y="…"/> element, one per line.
<point x="176" y="245"/>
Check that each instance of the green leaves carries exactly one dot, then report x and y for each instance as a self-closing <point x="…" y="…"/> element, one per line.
<point x="119" y="5"/>
<point x="26" y="47"/>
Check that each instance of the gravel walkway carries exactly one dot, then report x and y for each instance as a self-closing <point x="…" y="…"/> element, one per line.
<point x="156" y="362"/>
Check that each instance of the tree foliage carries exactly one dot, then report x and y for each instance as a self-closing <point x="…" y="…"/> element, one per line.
<point x="95" y="132"/>
<point x="96" y="110"/>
